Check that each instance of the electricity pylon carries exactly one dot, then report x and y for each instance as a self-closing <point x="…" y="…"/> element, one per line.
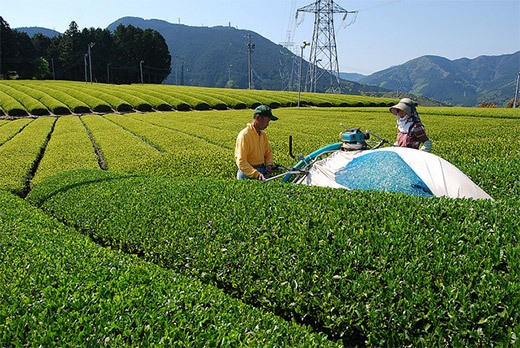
<point x="323" y="55"/>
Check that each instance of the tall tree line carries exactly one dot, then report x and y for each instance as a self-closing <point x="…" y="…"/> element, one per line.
<point x="124" y="56"/>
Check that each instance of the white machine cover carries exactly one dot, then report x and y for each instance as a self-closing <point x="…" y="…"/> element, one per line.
<point x="394" y="169"/>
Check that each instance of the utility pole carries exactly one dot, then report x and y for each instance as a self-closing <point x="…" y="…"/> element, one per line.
<point x="86" y="75"/>
<point x="250" y="48"/>
<point x="90" y="59"/>
<point x="323" y="56"/>
<point x="182" y="71"/>
<point x="229" y="75"/>
<point x="305" y="44"/>
<point x="516" y="91"/>
<point x="141" y="69"/>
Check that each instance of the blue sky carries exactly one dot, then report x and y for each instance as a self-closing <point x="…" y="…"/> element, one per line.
<point x="384" y="33"/>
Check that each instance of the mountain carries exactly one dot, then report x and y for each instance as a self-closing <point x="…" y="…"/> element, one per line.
<point x="352" y="76"/>
<point x="464" y="82"/>
<point x="218" y="57"/>
<point x="31" y="31"/>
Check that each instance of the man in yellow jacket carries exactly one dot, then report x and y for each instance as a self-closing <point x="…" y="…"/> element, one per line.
<point x="253" y="154"/>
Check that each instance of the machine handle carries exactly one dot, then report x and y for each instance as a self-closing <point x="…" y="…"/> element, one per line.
<point x="290" y="147"/>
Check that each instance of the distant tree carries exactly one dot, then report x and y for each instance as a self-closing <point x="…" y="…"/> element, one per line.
<point x="18" y="53"/>
<point x="41" y="42"/>
<point x="156" y="56"/>
<point x="42" y="45"/>
<point x="486" y="104"/>
<point x="65" y="56"/>
<point x="71" y="54"/>
<point x="101" y="52"/>
<point x="510" y="103"/>
<point x="5" y="31"/>
<point x="41" y="69"/>
<point x="133" y="45"/>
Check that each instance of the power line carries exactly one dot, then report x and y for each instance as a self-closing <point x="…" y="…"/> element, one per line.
<point x="323" y="56"/>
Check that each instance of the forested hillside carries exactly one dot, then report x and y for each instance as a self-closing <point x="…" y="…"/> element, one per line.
<point x="218" y="57"/>
<point x="464" y="82"/>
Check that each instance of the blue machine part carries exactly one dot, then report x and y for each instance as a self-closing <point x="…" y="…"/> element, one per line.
<point x="312" y="156"/>
<point x="382" y="171"/>
<point x="353" y="137"/>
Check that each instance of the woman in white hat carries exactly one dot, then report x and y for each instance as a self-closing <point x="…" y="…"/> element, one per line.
<point x="411" y="132"/>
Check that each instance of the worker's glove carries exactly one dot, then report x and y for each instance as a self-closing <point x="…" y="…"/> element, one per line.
<point x="427" y="146"/>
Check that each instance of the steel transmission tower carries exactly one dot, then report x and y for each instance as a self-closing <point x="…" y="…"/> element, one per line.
<point x="323" y="56"/>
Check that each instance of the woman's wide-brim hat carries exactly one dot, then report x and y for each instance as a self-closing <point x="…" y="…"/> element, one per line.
<point x="406" y="104"/>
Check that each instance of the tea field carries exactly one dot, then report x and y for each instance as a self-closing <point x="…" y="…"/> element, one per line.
<point x="26" y="97"/>
<point x="128" y="228"/>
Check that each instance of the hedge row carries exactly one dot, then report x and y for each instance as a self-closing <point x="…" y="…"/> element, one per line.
<point x="364" y="267"/>
<point x="128" y="96"/>
<point x="114" y="101"/>
<point x="72" y="103"/>
<point x="10" y="129"/>
<point x="473" y="112"/>
<point x="58" y="288"/>
<point x="59" y="97"/>
<point x="11" y="106"/>
<point x="95" y="104"/>
<point x="68" y="148"/>
<point x="55" y="106"/>
<point x="21" y="154"/>
<point x="119" y="147"/>
<point x="29" y="103"/>
<point x="172" y="101"/>
<point x="183" y="154"/>
<point x="195" y="134"/>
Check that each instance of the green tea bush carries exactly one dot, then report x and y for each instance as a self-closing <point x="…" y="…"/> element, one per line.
<point x="58" y="288"/>
<point x="10" y="129"/>
<point x="164" y="97"/>
<point x="12" y="106"/>
<point x="119" y="147"/>
<point x="95" y="104"/>
<point x="230" y="101"/>
<point x="158" y="102"/>
<point x="364" y="267"/>
<point x="21" y="154"/>
<point x="209" y="137"/>
<point x="56" y="106"/>
<point x="70" y="102"/>
<point x="206" y="97"/>
<point x="162" y="135"/>
<point x="248" y="101"/>
<point x="173" y="101"/>
<point x="69" y="148"/>
<point x="115" y="102"/>
<point x="133" y="99"/>
<point x="472" y="112"/>
<point x="31" y="104"/>
<point x="194" y="135"/>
